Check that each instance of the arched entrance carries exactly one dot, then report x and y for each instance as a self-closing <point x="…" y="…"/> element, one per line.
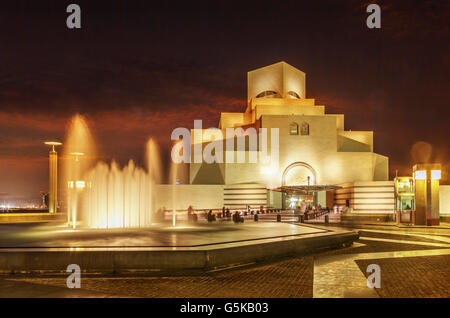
<point x="299" y="174"/>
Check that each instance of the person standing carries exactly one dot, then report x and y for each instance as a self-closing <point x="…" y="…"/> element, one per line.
<point x="190" y="212"/>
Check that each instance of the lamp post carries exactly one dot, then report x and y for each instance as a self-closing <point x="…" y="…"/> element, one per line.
<point x="53" y="176"/>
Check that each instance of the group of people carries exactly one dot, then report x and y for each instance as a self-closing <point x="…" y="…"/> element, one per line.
<point x="211" y="217"/>
<point x="313" y="210"/>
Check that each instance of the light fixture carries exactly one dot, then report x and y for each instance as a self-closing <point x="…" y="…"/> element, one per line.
<point x="435" y="174"/>
<point x="80" y="184"/>
<point x="420" y="175"/>
<point x="77" y="155"/>
<point x="53" y="144"/>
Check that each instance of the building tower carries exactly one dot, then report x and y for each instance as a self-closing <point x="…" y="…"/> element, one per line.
<point x="426" y="180"/>
<point x="53" y="177"/>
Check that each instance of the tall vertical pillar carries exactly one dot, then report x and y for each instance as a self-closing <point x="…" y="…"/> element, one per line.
<point x="53" y="177"/>
<point x="53" y="181"/>
<point x="426" y="189"/>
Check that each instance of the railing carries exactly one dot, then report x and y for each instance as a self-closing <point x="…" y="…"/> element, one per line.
<point x="202" y="214"/>
<point x="315" y="214"/>
<point x="267" y="214"/>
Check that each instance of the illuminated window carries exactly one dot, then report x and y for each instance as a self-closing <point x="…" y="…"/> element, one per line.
<point x="272" y="94"/>
<point x="435" y="174"/>
<point x="293" y="129"/>
<point x="420" y="175"/>
<point x="293" y="95"/>
<point x="305" y="129"/>
<point x="404" y="185"/>
<point x="80" y="185"/>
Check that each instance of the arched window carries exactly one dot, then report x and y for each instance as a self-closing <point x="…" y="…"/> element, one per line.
<point x="304" y="129"/>
<point x="293" y="94"/>
<point x="293" y="129"/>
<point x="272" y="94"/>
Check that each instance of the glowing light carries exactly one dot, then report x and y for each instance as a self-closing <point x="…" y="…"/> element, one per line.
<point x="292" y="202"/>
<point x="53" y="143"/>
<point x="77" y="184"/>
<point x="420" y="175"/>
<point x="435" y="174"/>
<point x="80" y="184"/>
<point x="77" y="155"/>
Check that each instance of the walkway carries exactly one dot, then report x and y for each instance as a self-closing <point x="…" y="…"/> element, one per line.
<point x="413" y="264"/>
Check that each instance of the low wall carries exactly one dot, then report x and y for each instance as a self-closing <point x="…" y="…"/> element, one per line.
<point x="367" y="217"/>
<point x="31" y="217"/>
<point x="367" y="198"/>
<point x="113" y="260"/>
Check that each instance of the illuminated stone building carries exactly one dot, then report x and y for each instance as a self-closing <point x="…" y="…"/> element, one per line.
<point x="314" y="147"/>
<point x="319" y="161"/>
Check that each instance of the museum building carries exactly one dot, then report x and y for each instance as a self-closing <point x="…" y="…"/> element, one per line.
<point x="319" y="162"/>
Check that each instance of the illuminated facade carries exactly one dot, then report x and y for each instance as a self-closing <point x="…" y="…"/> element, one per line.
<point x="314" y="148"/>
<point x="426" y="186"/>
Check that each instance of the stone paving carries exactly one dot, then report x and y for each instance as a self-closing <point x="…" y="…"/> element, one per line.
<point x="410" y="268"/>
<point x="422" y="277"/>
<point x="285" y="278"/>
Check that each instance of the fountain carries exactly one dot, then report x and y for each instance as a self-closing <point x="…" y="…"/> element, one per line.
<point x="177" y="175"/>
<point x="101" y="195"/>
<point x="78" y="156"/>
<point x="173" y="183"/>
<point x="117" y="198"/>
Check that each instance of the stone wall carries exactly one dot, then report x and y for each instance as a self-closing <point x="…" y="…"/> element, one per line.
<point x="376" y="197"/>
<point x="198" y="196"/>
<point x="444" y="200"/>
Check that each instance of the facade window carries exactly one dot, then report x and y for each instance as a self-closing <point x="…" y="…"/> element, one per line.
<point x="268" y="94"/>
<point x="293" y="95"/>
<point x="293" y="129"/>
<point x="305" y="129"/>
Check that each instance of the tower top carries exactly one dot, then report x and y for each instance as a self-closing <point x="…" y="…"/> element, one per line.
<point x="279" y="80"/>
<point x="53" y="144"/>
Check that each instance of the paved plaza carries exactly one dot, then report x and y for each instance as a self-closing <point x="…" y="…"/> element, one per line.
<point x="413" y="262"/>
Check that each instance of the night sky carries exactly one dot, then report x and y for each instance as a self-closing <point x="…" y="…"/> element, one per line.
<point x="142" y="68"/>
